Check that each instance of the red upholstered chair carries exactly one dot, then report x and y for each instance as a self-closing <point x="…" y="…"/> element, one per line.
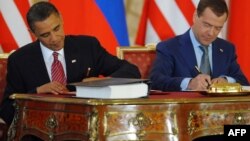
<point x="142" y="56"/>
<point x="3" y="71"/>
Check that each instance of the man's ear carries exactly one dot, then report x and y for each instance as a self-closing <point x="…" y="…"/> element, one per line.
<point x="32" y="34"/>
<point x="195" y="16"/>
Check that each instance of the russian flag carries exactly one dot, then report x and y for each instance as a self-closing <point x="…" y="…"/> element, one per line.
<point x="238" y="32"/>
<point x="104" y="19"/>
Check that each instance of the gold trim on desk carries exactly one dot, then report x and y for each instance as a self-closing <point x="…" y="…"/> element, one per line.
<point x="137" y="101"/>
<point x="4" y="55"/>
<point x="166" y="116"/>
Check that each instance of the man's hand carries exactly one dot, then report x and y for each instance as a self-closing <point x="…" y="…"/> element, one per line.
<point x="52" y="87"/>
<point x="219" y="80"/>
<point x="200" y="83"/>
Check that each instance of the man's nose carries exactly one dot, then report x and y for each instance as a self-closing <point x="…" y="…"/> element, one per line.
<point x="53" y="37"/>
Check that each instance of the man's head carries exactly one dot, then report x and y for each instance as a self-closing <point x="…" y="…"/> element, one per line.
<point x="209" y="19"/>
<point x="46" y="23"/>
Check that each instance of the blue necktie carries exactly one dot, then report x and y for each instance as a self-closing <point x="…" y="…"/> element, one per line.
<point x="205" y="65"/>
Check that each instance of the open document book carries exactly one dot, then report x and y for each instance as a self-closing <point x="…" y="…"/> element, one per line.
<point x="112" y="88"/>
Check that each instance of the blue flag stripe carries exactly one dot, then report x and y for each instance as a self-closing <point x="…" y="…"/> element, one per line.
<point x="114" y="12"/>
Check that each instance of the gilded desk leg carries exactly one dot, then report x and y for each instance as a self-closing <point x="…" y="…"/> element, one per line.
<point x="93" y="131"/>
<point x="13" y="126"/>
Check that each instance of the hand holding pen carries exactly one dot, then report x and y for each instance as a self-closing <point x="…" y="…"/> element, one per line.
<point x="206" y="77"/>
<point x="200" y="82"/>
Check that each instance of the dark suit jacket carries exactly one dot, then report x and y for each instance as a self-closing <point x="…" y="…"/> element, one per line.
<point x="27" y="70"/>
<point x="176" y="60"/>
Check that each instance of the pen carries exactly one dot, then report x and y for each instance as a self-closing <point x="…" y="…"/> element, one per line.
<point x="88" y="71"/>
<point x="198" y="70"/>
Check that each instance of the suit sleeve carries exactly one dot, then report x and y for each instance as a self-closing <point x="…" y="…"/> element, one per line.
<point x="234" y="70"/>
<point x="163" y="70"/>
<point x="109" y="65"/>
<point x="7" y="108"/>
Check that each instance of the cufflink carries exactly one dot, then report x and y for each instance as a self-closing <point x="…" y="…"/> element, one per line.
<point x="221" y="50"/>
<point x="73" y="61"/>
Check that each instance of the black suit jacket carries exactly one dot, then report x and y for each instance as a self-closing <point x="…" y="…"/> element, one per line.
<point x="27" y="70"/>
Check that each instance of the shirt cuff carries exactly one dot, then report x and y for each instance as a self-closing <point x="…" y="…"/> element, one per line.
<point x="230" y="79"/>
<point x="184" y="84"/>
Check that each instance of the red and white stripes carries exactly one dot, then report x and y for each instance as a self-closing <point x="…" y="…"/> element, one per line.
<point x="163" y="19"/>
<point x="14" y="32"/>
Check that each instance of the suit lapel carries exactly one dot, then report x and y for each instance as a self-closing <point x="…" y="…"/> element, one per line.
<point x="71" y="59"/>
<point x="187" y="51"/>
<point x="218" y="57"/>
<point x="38" y="65"/>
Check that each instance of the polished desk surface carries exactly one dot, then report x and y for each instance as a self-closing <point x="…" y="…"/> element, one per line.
<point x="153" y="98"/>
<point x="161" y="116"/>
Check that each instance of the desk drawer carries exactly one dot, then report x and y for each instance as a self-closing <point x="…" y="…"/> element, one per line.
<point x="136" y="122"/>
<point x="211" y="122"/>
<point x="56" y="123"/>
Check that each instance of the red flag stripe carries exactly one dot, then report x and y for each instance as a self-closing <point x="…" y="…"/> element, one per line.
<point x="141" y="34"/>
<point x="159" y="23"/>
<point x="7" y="41"/>
<point x="22" y="6"/>
<point x="13" y="24"/>
<point x="167" y="18"/>
<point x="187" y="7"/>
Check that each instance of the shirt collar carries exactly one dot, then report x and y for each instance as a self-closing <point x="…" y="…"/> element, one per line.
<point x="194" y="41"/>
<point x="47" y="53"/>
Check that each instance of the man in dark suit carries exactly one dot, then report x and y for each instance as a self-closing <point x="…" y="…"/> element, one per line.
<point x="179" y="60"/>
<point x="30" y="67"/>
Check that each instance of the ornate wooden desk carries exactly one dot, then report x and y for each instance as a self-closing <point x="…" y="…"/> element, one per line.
<point x="175" y="116"/>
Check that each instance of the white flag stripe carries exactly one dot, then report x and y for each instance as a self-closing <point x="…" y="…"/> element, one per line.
<point x="151" y="34"/>
<point x="15" y="22"/>
<point x="195" y="2"/>
<point x="223" y="33"/>
<point x="173" y="15"/>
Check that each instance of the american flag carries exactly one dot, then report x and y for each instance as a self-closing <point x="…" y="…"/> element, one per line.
<point x="162" y="19"/>
<point x="13" y="28"/>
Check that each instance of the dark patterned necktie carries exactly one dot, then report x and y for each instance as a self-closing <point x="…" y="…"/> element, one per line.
<point x="57" y="72"/>
<point x="205" y="65"/>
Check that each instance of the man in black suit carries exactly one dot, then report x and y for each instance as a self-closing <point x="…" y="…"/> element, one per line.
<point x="29" y="68"/>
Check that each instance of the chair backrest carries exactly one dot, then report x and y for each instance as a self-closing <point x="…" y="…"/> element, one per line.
<point x="3" y="72"/>
<point x="141" y="56"/>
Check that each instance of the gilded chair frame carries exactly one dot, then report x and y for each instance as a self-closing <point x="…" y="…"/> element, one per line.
<point x="3" y="71"/>
<point x="4" y="55"/>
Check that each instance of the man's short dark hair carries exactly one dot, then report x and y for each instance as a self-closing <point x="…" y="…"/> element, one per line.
<point x="39" y="12"/>
<point x="219" y="7"/>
